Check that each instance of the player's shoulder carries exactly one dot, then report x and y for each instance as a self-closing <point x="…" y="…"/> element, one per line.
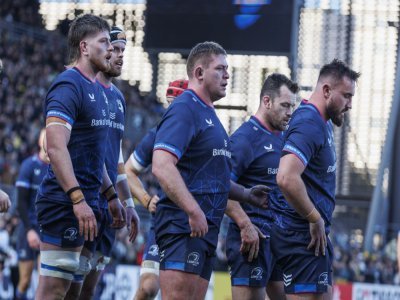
<point x="307" y="114"/>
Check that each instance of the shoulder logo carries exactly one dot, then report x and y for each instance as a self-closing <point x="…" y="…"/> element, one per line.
<point x="269" y="148"/>
<point x="209" y="122"/>
<point x="255" y="128"/>
<point x="91" y="96"/>
<point x="287" y="279"/>
<point x="36" y="171"/>
<point x="194" y="99"/>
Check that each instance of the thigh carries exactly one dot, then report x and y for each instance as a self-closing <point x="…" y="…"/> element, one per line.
<point x="25" y="253"/>
<point x="182" y="253"/>
<point x="244" y="273"/>
<point x="303" y="272"/>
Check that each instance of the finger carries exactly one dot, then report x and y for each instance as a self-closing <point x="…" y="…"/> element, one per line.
<point x="86" y="229"/>
<point x="324" y="245"/>
<point x="91" y="230"/>
<point x="311" y="244"/>
<point x="81" y="226"/>
<point x="251" y="253"/>
<point x="123" y="214"/>
<point x="317" y="246"/>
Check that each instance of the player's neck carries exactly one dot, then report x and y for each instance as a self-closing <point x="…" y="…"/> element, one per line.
<point x="87" y="69"/>
<point x="320" y="103"/>
<point x="104" y="79"/>
<point x="204" y="96"/>
<point x="260" y="116"/>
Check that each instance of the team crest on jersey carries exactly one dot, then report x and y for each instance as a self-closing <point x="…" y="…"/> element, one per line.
<point x="70" y="234"/>
<point x="193" y="259"/>
<point x="256" y="273"/>
<point x="120" y="106"/>
<point x="153" y="250"/>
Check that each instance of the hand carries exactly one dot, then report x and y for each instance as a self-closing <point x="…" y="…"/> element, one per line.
<point x="198" y="223"/>
<point x="251" y="236"/>
<point x="5" y="202"/>
<point x="33" y="239"/>
<point x="132" y="223"/>
<point x="152" y="204"/>
<point x="318" y="237"/>
<point x="87" y="220"/>
<point x="118" y="213"/>
<point x="258" y="196"/>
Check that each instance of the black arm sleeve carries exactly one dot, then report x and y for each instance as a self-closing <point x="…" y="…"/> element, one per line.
<point x="23" y="195"/>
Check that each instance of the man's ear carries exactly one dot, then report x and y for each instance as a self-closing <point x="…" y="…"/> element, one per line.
<point x="199" y="72"/>
<point x="326" y="90"/>
<point x="83" y="47"/>
<point x="267" y="101"/>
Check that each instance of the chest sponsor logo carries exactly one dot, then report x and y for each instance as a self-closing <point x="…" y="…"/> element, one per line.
<point x="272" y="171"/>
<point x="70" y="234"/>
<point x="193" y="259"/>
<point x="91" y="96"/>
<point x="269" y="148"/>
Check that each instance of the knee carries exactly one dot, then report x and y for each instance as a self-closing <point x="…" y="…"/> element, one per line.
<point x="61" y="264"/>
<point x="150" y="287"/>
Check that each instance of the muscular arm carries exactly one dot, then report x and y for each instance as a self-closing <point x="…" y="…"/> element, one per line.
<point x="293" y="188"/>
<point x="57" y="138"/>
<point x="257" y="195"/>
<point x="171" y="181"/>
<point x="135" y="185"/>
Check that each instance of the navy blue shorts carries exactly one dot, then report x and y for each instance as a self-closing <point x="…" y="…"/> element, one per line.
<point x="303" y="272"/>
<point x="105" y="239"/>
<point x="243" y="273"/>
<point x="183" y="253"/>
<point x="58" y="224"/>
<point x="151" y="248"/>
<point x="24" y="251"/>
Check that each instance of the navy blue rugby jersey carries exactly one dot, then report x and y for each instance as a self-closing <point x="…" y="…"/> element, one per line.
<point x="117" y="107"/>
<point x="143" y="154"/>
<point x="310" y="138"/>
<point x="191" y="130"/>
<point x="83" y="105"/>
<point x="30" y="175"/>
<point x="256" y="152"/>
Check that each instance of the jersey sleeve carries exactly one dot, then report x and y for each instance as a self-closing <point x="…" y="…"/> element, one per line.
<point x="242" y="155"/>
<point x="143" y="154"/>
<point x="176" y="130"/>
<point x="303" y="139"/>
<point x="24" y="178"/>
<point x="62" y="102"/>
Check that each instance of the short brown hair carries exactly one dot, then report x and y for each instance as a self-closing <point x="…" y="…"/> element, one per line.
<point x="337" y="69"/>
<point x="80" y="28"/>
<point x="273" y="83"/>
<point x="203" y="52"/>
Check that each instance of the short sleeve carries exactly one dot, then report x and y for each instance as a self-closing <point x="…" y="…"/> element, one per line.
<point x="176" y="130"/>
<point x="62" y="102"/>
<point x="303" y="139"/>
<point x="24" y="178"/>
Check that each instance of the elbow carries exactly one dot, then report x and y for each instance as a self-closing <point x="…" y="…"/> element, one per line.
<point x="282" y="180"/>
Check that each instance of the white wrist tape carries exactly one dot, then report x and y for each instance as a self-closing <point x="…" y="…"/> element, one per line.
<point x="129" y="202"/>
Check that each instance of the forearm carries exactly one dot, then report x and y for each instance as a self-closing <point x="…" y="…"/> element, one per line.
<point x="22" y="206"/>
<point x="295" y="193"/>
<point x="62" y="167"/>
<point x="238" y="192"/>
<point x="135" y="185"/>
<point x="122" y="184"/>
<point x="237" y="214"/>
<point x="174" y="187"/>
